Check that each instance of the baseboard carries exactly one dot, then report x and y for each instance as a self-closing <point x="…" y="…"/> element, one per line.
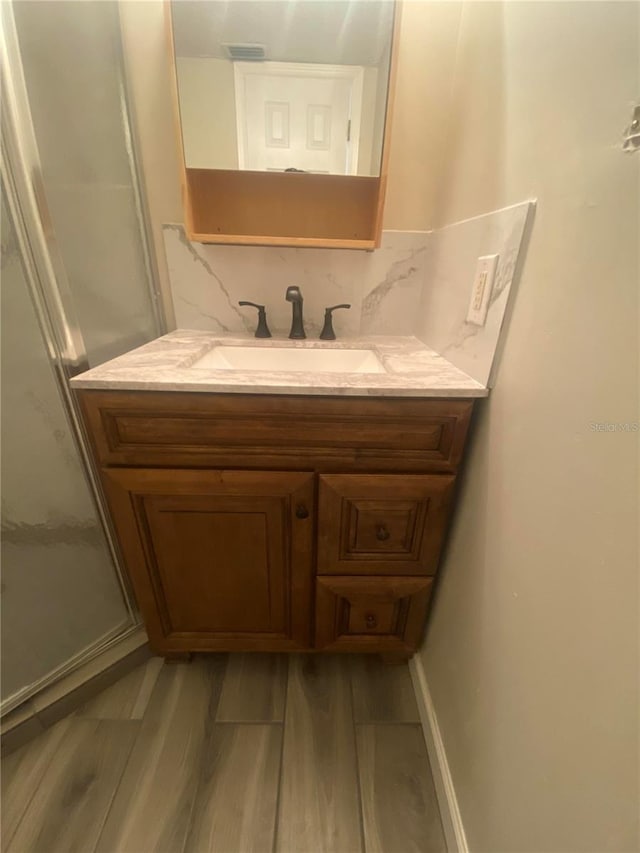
<point x="449" y="811"/>
<point x="74" y="689"/>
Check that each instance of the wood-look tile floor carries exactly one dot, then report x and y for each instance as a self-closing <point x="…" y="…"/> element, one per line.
<point x="232" y="754"/>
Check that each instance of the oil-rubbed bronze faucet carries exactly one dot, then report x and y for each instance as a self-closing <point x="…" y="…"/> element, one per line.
<point x="327" y="333"/>
<point x="294" y="296"/>
<point x="262" y="330"/>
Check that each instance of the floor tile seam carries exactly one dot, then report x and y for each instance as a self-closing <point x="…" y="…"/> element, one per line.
<point x="205" y="751"/>
<point x="248" y="722"/>
<point x="34" y="789"/>
<point x="428" y="768"/>
<point x="276" y="823"/>
<point x="116" y="787"/>
<point x="389" y="723"/>
<point x="363" y="842"/>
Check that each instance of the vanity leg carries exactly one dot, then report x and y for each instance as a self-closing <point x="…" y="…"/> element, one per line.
<point x="394" y="658"/>
<point x="178" y="657"/>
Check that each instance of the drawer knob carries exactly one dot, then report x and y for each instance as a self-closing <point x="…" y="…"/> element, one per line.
<point x="302" y="511"/>
<point x="381" y="532"/>
<point x="370" y="620"/>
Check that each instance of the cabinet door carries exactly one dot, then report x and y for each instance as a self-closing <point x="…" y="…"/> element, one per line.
<point x="371" y="614"/>
<point x="382" y="524"/>
<point x="219" y="560"/>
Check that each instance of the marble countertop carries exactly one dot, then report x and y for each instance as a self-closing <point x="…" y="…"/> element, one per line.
<point x="166" y="364"/>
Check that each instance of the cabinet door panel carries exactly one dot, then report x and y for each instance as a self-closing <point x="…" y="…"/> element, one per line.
<point x="370" y="614"/>
<point x="382" y="524"/>
<point x="218" y="559"/>
<point x="217" y="564"/>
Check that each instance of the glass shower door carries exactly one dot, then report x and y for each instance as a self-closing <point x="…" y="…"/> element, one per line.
<point x="60" y="593"/>
<point x="77" y="289"/>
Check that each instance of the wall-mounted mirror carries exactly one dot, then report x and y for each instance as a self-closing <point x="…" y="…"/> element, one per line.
<point x="283" y="85"/>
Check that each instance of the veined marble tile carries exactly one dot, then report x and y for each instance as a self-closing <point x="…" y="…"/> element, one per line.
<point x="417" y="283"/>
<point x="382" y="287"/>
<point x="392" y="284"/>
<point x="453" y="253"/>
<point x="207" y="283"/>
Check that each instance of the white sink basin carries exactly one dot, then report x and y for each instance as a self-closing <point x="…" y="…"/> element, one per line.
<point x="288" y="359"/>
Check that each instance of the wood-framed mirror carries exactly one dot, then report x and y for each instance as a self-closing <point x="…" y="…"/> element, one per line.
<point x="282" y="114"/>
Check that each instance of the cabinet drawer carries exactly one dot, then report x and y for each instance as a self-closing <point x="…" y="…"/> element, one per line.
<point x="263" y="431"/>
<point x="382" y="524"/>
<point x="365" y="614"/>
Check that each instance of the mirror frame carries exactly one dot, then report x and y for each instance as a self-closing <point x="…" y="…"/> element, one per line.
<point x="283" y="208"/>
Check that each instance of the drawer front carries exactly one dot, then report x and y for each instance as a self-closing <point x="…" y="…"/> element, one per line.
<point x="263" y="431"/>
<point x="382" y="524"/>
<point x="371" y="614"/>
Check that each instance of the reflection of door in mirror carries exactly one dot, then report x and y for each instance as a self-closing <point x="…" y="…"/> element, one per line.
<point x="236" y="114"/>
<point x="298" y="116"/>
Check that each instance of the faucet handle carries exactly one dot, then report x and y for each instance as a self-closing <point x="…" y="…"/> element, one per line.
<point x="262" y="330"/>
<point x="327" y="333"/>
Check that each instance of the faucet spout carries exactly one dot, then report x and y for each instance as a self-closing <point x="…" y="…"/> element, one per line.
<point x="294" y="295"/>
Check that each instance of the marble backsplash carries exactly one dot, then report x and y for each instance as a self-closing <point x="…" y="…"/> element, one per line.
<point x="383" y="287"/>
<point x="453" y="252"/>
<point x="417" y="283"/>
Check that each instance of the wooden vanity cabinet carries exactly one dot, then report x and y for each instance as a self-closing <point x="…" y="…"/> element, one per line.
<point x="278" y="523"/>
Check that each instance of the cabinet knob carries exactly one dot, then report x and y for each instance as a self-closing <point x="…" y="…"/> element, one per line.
<point x="302" y="511"/>
<point x="381" y="532"/>
<point x="370" y="620"/>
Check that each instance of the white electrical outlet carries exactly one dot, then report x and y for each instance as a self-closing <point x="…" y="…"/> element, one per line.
<point x="482" y="288"/>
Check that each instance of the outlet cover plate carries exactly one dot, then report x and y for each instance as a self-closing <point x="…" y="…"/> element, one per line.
<point x="482" y="289"/>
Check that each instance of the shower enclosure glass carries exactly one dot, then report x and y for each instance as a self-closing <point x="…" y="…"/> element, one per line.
<point x="60" y="593"/>
<point x="77" y="289"/>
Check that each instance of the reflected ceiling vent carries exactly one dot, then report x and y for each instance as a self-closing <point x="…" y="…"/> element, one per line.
<point x="246" y="52"/>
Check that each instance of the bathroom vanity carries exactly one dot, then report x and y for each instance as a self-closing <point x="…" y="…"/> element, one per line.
<point x="274" y="510"/>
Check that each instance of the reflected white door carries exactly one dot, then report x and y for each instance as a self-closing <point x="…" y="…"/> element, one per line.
<point x="294" y="116"/>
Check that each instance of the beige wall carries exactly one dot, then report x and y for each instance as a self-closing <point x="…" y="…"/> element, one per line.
<point x="532" y="650"/>
<point x="428" y="38"/>
<point x="207" y="112"/>
<point x="367" y="120"/>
